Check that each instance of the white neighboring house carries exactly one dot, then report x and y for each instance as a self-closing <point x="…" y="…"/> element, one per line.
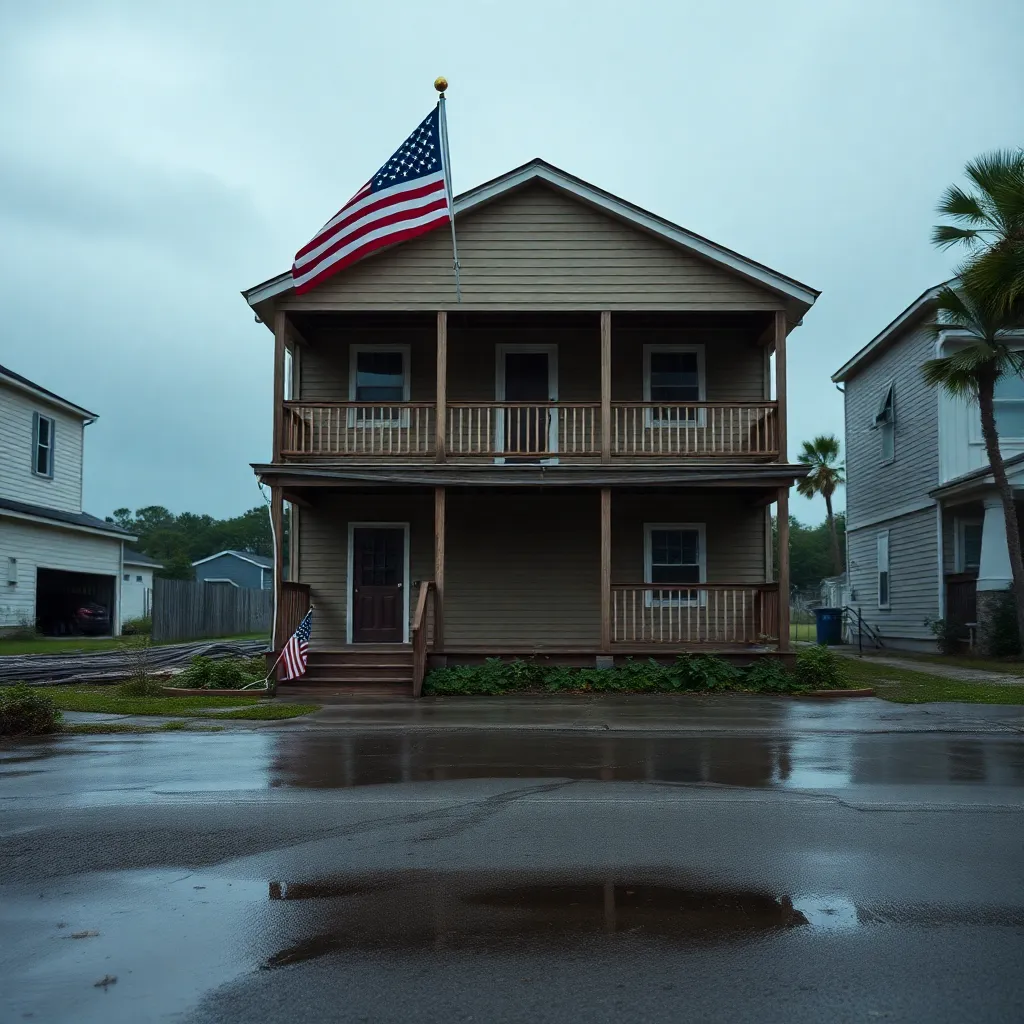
<point x="53" y="556"/>
<point x="137" y="585"/>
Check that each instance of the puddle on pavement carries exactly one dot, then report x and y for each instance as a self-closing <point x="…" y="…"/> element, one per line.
<point x="477" y="912"/>
<point x="818" y="762"/>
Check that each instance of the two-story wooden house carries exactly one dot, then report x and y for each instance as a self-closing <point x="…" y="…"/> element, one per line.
<point x="575" y="462"/>
<point x="60" y="565"/>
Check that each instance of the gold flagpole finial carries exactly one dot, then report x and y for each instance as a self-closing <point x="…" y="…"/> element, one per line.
<point x="440" y="84"/>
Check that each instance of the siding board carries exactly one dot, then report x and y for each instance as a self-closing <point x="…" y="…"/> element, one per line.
<point x="538" y="248"/>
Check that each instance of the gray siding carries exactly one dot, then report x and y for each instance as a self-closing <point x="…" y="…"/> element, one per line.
<point x="521" y="568"/>
<point x="538" y="248"/>
<point x="913" y="576"/>
<point x="874" y="489"/>
<point x="227" y="567"/>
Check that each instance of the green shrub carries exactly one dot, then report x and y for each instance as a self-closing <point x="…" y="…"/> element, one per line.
<point x="139" y="680"/>
<point x="224" y="674"/>
<point x="819" y="668"/>
<point x="24" y="630"/>
<point x="137" y="627"/>
<point x="1002" y="638"/>
<point x="768" y="676"/>
<point x="27" y="711"/>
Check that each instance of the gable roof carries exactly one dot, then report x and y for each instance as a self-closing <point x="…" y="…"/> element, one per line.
<point x="261" y="560"/>
<point x="538" y="170"/>
<point x="24" y="384"/>
<point x="890" y="334"/>
<point x="138" y="558"/>
<point x="77" y="520"/>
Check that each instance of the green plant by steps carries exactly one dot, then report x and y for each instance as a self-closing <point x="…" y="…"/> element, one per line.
<point x="224" y="674"/>
<point x="1002" y="637"/>
<point x="26" y="711"/>
<point x="949" y="635"/>
<point x="139" y="680"/>
<point x="135" y="627"/>
<point x="819" y="668"/>
<point x="687" y="674"/>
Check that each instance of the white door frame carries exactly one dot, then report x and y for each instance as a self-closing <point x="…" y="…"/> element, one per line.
<point x="500" y="351"/>
<point x="352" y="527"/>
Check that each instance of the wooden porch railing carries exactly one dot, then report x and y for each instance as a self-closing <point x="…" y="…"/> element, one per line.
<point x="292" y="605"/>
<point x="516" y="429"/>
<point x="355" y="428"/>
<point x="713" y="429"/>
<point x="425" y="600"/>
<point x="727" y="613"/>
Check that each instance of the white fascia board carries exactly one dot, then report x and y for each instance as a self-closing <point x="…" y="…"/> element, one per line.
<point x="48" y="399"/>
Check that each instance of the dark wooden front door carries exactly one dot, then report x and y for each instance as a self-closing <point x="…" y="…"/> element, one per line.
<point x="378" y="594"/>
<point x="526" y="381"/>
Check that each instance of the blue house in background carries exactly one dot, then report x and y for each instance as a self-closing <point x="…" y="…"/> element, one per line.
<point x="236" y="569"/>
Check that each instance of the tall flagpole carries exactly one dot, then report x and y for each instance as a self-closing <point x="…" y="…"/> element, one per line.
<point x="440" y="84"/>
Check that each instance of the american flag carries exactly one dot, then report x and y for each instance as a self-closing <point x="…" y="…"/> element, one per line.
<point x="406" y="197"/>
<point x="295" y="652"/>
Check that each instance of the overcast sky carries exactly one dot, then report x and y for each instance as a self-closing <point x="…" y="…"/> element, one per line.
<point x="156" y="158"/>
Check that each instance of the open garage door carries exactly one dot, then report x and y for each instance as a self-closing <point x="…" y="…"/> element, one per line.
<point x="69" y="603"/>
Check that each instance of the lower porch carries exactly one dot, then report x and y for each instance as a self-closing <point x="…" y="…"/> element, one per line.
<point x="580" y="576"/>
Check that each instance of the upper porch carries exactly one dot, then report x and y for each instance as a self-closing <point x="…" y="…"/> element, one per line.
<point x="543" y="387"/>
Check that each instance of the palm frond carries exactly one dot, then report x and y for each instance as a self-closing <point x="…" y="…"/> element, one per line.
<point x="958" y="373"/>
<point x="945" y="236"/>
<point x="998" y="176"/>
<point x="820" y="455"/>
<point x="997" y="274"/>
<point x="961" y="205"/>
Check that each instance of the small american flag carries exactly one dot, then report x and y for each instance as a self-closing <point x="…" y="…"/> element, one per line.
<point x="295" y="652"/>
<point x="408" y="196"/>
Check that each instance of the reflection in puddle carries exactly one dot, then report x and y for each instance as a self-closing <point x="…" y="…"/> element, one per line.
<point x="828" y="913"/>
<point x="423" y="910"/>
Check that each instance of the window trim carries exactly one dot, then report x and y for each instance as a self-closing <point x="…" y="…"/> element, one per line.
<point x="353" y="380"/>
<point x="698" y="350"/>
<point x="37" y="419"/>
<point x="959" y="522"/>
<point x="702" y="596"/>
<point x="883" y="426"/>
<point x="501" y="350"/>
<point x="883" y="535"/>
<point x="996" y="402"/>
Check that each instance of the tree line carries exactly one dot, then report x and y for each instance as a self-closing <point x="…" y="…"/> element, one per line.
<point x="176" y="541"/>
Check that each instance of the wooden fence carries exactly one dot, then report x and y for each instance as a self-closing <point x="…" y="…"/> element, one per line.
<point x="185" y="610"/>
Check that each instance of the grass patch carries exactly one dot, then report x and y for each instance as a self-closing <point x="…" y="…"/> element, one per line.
<point x="271" y="712"/>
<point x="1008" y="666"/>
<point x="106" y="700"/>
<point x="103" y="728"/>
<point x="89" y="645"/>
<point x="906" y="686"/>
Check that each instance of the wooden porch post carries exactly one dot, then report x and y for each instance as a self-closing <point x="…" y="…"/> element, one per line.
<point x="783" y="574"/>
<point x="439" y="530"/>
<point x="280" y="330"/>
<point x="441" y="402"/>
<point x="780" y="382"/>
<point x="606" y="569"/>
<point x="277" y="519"/>
<point x="606" y="386"/>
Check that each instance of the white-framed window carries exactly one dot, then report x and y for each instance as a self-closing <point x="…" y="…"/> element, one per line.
<point x="885" y="423"/>
<point x="674" y="555"/>
<point x="138" y="579"/>
<point x="43" y="437"/>
<point x="967" y="543"/>
<point x="378" y="375"/>
<point x="1008" y="403"/>
<point x="882" y="549"/>
<point x="674" y="379"/>
<point x="127" y="577"/>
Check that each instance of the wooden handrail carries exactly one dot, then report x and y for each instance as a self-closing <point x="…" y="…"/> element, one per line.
<point x="531" y="404"/>
<point x="695" y="405"/>
<point x="419" y="634"/>
<point x="297" y="404"/>
<point x="695" y="586"/>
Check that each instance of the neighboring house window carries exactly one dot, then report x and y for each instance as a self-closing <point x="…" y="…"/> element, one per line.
<point x="138" y="579"/>
<point x="127" y="577"/>
<point x="968" y="545"/>
<point x="12" y="571"/>
<point x="42" y="445"/>
<point x="1008" y="402"/>
<point x="674" y="377"/>
<point x="883" y="569"/>
<point x="674" y="553"/>
<point x="885" y="422"/>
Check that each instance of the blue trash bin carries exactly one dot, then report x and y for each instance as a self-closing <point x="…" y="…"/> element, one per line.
<point x="829" y="624"/>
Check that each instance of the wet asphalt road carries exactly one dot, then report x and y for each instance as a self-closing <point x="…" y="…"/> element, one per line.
<point x="766" y="862"/>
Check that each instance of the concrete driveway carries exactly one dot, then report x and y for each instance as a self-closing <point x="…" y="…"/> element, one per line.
<point x="757" y="859"/>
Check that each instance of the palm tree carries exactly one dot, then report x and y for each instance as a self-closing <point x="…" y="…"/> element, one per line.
<point x="971" y="372"/>
<point x="990" y="225"/>
<point x="822" y="455"/>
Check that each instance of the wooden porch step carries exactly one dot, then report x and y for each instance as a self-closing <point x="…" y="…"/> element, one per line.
<point x="361" y="667"/>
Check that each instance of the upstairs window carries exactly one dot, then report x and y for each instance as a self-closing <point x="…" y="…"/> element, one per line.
<point x="1009" y="406"/>
<point x="674" y="377"/>
<point x="968" y="545"/>
<point x="885" y="423"/>
<point x="380" y="375"/>
<point x="42" y="445"/>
